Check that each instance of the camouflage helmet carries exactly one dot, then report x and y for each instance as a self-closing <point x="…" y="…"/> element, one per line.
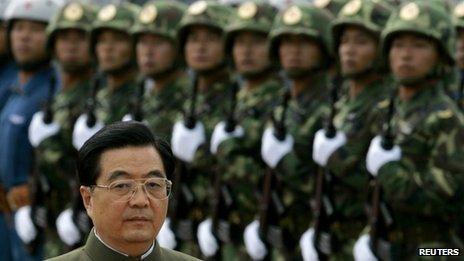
<point x="119" y="17"/>
<point x="423" y="18"/>
<point x="458" y="16"/>
<point x="368" y="14"/>
<point x="73" y="15"/>
<point x="251" y="16"/>
<point x="207" y="13"/>
<point x="302" y="20"/>
<point x="160" y="18"/>
<point x="333" y="6"/>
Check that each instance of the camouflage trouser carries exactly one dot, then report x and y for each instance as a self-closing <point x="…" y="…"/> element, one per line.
<point x="347" y="233"/>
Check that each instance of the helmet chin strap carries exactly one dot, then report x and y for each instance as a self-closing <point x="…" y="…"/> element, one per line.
<point x="121" y="69"/>
<point x="32" y="66"/>
<point x="412" y="82"/>
<point x="370" y="68"/>
<point x="297" y="74"/>
<point x="218" y="67"/>
<point x="252" y="75"/>
<point x="165" y="72"/>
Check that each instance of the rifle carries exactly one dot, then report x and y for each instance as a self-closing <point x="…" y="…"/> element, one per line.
<point x="92" y="102"/>
<point x="137" y="111"/>
<point x="222" y="201"/>
<point x="182" y="195"/>
<point x="461" y="91"/>
<point x="381" y="220"/>
<point x="40" y="187"/>
<point x="324" y="211"/>
<point x="271" y="207"/>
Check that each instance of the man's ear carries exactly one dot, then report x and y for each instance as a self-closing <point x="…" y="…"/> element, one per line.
<point x="86" y="195"/>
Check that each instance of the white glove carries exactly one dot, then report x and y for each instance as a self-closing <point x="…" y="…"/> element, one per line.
<point x="23" y="224"/>
<point x="67" y="230"/>
<point x="253" y="244"/>
<point x="39" y="130"/>
<point x="185" y="142"/>
<point x="82" y="132"/>
<point x="220" y="134"/>
<point x="127" y="117"/>
<point x="166" y="237"/>
<point x="362" y="251"/>
<point x="308" y="250"/>
<point x="208" y="243"/>
<point x="272" y="149"/>
<point x="378" y="156"/>
<point x="324" y="147"/>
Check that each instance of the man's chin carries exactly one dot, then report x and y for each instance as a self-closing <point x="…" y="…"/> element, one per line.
<point x="139" y="235"/>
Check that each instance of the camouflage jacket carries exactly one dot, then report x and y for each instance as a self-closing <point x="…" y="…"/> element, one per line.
<point x="425" y="186"/>
<point x="210" y="108"/>
<point x="161" y="108"/>
<point x="296" y="171"/>
<point x="355" y="117"/>
<point x="112" y="106"/>
<point x="56" y="156"/>
<point x="239" y="160"/>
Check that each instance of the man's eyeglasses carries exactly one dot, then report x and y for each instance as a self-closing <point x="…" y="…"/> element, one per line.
<point x="124" y="190"/>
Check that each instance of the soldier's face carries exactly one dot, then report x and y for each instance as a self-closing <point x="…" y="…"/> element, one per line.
<point x="72" y="48"/>
<point x="28" y="40"/>
<point x="460" y="49"/>
<point x="357" y="50"/>
<point x="204" y="48"/>
<point x="155" y="54"/>
<point x="412" y="56"/>
<point x="299" y="53"/>
<point x="2" y="38"/>
<point x="250" y="52"/>
<point x="113" y="49"/>
<point x="134" y="223"/>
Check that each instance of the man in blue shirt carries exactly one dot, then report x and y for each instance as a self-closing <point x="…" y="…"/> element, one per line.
<point x="7" y="67"/>
<point x="27" y="21"/>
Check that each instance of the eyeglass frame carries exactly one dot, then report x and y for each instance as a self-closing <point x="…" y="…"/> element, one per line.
<point x="107" y="187"/>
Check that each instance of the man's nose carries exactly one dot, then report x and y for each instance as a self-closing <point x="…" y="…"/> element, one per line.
<point x="140" y="197"/>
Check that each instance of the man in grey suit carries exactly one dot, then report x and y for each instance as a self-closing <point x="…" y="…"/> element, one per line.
<point x="123" y="171"/>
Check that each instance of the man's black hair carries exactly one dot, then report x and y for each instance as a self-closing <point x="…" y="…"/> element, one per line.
<point x="115" y="136"/>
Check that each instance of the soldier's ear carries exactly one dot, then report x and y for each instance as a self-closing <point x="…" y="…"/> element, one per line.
<point x="86" y="195"/>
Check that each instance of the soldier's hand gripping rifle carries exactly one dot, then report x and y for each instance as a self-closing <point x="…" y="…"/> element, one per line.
<point x="324" y="211"/>
<point x="182" y="195"/>
<point x="87" y="124"/>
<point x="380" y="219"/>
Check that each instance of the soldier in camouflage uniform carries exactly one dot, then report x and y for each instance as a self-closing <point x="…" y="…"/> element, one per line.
<point x="458" y="21"/>
<point x="356" y="35"/>
<point x="237" y="151"/>
<point x="201" y="40"/>
<point x="68" y="40"/>
<point x="300" y="42"/>
<point x="112" y="45"/>
<point x="158" y="59"/>
<point x="421" y="175"/>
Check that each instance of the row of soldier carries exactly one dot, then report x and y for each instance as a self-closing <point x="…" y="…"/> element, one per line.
<point x="321" y="131"/>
